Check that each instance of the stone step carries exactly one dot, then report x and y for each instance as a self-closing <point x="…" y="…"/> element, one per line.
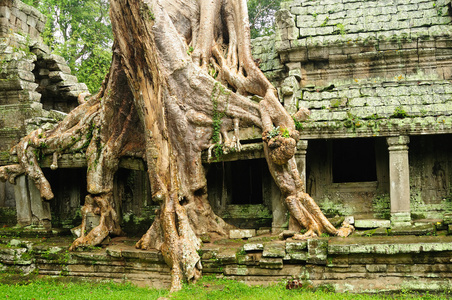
<point x="241" y="233"/>
<point x="372" y="223"/>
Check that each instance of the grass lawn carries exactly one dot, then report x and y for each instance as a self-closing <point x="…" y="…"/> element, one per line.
<point x="207" y="288"/>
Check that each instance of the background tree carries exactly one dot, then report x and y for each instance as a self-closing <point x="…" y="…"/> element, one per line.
<point x="262" y="16"/>
<point x="80" y="31"/>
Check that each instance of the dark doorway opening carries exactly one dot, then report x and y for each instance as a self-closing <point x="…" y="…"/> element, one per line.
<point x="246" y="181"/>
<point x="354" y="160"/>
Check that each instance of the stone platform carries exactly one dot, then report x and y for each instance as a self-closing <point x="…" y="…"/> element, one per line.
<point x="354" y="264"/>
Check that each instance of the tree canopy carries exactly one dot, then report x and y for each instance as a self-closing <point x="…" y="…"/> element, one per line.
<point x="80" y="31"/>
<point x="262" y="16"/>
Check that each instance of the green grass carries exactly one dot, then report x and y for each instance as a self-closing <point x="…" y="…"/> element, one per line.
<point x="207" y="288"/>
<point x="46" y="289"/>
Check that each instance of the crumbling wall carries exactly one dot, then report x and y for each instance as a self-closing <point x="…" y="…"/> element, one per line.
<point x="33" y="81"/>
<point x="36" y="90"/>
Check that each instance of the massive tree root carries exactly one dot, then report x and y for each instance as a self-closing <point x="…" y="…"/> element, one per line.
<point x="180" y="79"/>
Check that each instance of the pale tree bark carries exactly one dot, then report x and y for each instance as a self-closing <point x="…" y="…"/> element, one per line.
<point x="180" y="79"/>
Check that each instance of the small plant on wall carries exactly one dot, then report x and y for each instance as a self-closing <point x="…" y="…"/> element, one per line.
<point x="280" y="144"/>
<point x="382" y="206"/>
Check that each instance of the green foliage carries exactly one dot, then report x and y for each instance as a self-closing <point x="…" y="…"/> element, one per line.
<point x="285" y="133"/>
<point x="298" y="125"/>
<point x="352" y="122"/>
<point x="261" y="14"/>
<point x="217" y="116"/>
<point x="325" y="22"/>
<point x="340" y="29"/>
<point x="382" y="206"/>
<point x="277" y="131"/>
<point x="399" y="112"/>
<point x="208" y="287"/>
<point x="80" y="31"/>
<point x="273" y="133"/>
<point x="51" y="289"/>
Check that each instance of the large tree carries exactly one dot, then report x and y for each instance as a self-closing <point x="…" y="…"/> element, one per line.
<point x="180" y="79"/>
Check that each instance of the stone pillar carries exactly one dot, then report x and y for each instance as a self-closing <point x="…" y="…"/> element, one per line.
<point x="40" y="209"/>
<point x="2" y="194"/>
<point x="279" y="210"/>
<point x="300" y="158"/>
<point x="399" y="178"/>
<point x="23" y="206"/>
<point x="30" y="208"/>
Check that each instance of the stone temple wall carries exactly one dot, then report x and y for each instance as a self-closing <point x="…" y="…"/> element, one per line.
<point x="36" y="87"/>
<point x="353" y="62"/>
<point x="33" y="81"/>
<point x="375" y="70"/>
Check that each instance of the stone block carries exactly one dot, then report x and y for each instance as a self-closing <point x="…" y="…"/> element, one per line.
<point x="253" y="247"/>
<point x="148" y="255"/>
<point x="34" y="34"/>
<point x="425" y="229"/>
<point x="5" y="12"/>
<point x="31" y="21"/>
<point x="285" y="234"/>
<point x="372" y="223"/>
<point x="317" y="251"/>
<point x="263" y="231"/>
<point x="20" y="15"/>
<point x="297" y="256"/>
<point x="239" y="270"/>
<point x="227" y="256"/>
<point x="58" y="67"/>
<point x="68" y="79"/>
<point x="40" y="26"/>
<point x="447" y="219"/>
<point x="241" y="233"/>
<point x="274" y="249"/>
<point x="40" y="209"/>
<point x="296" y="246"/>
<point x="400" y="219"/>
<point x="376" y="268"/>
<point x="271" y="263"/>
<point x="249" y="259"/>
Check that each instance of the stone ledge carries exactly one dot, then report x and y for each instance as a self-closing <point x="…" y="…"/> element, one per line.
<point x="390" y="245"/>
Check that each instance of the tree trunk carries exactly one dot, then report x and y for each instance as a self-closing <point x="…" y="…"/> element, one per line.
<point x="179" y="80"/>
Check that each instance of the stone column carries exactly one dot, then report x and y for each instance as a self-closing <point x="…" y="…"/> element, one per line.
<point x="2" y="194"/>
<point x="300" y="158"/>
<point x="279" y="210"/>
<point x="23" y="205"/>
<point x="399" y="178"/>
<point x="30" y="208"/>
<point x="40" y="208"/>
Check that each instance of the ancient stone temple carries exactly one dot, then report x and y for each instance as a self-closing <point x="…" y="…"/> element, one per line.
<point x="375" y="76"/>
<point x="36" y="90"/>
